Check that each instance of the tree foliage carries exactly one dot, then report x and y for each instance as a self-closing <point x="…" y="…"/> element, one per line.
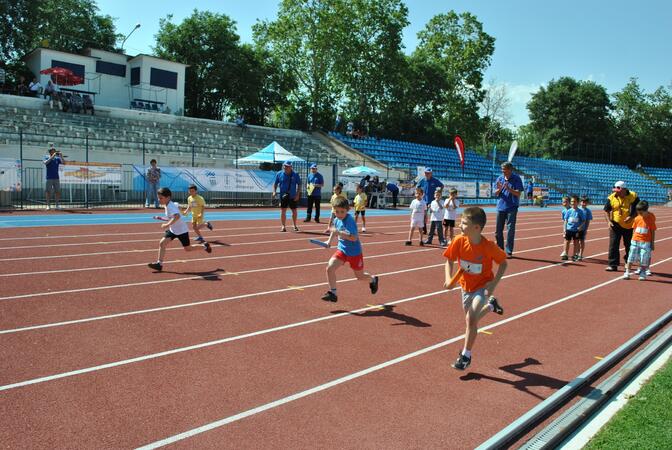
<point x="66" y="25"/>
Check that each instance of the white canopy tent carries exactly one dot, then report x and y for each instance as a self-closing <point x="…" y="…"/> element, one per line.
<point x="272" y="153"/>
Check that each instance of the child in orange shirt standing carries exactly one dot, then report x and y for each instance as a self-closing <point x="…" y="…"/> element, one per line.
<point x="643" y="240"/>
<point x="474" y="255"/>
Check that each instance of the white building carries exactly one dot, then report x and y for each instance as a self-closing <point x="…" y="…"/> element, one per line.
<point x="118" y="80"/>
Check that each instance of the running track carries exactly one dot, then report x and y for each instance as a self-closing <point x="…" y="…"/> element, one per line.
<point x="235" y="349"/>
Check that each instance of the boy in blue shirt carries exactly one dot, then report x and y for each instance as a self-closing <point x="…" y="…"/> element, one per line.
<point x="588" y="215"/>
<point x="573" y="223"/>
<point x="349" y="250"/>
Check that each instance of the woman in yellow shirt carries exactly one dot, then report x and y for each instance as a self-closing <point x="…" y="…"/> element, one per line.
<point x="337" y="192"/>
<point x="360" y="206"/>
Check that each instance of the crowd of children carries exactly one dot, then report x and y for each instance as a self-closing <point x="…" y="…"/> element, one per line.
<point x="472" y="253"/>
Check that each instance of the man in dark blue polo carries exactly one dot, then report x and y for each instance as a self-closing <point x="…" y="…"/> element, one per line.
<point x="429" y="184"/>
<point x="314" y="191"/>
<point x="509" y="186"/>
<point x="52" y="162"/>
<point x="290" y="192"/>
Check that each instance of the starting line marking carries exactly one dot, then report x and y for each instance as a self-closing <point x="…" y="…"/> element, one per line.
<point x="296" y="288"/>
<point x="485" y="332"/>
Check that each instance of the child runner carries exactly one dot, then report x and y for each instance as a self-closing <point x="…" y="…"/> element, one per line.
<point x="418" y="208"/>
<point x="572" y="224"/>
<point x="474" y="255"/>
<point x="450" y="215"/>
<point x="588" y="215"/>
<point x="436" y="216"/>
<point x="360" y="206"/>
<point x="337" y="193"/>
<point x="565" y="204"/>
<point x="175" y="228"/>
<point x="196" y="204"/>
<point x="349" y="250"/>
<point x="643" y="241"/>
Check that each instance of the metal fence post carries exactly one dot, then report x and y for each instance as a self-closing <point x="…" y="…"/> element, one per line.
<point x="193" y="154"/>
<point x="143" y="153"/>
<point x="22" y="168"/>
<point x="88" y="179"/>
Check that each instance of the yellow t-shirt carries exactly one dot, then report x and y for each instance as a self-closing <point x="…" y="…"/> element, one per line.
<point x="197" y="204"/>
<point x="360" y="202"/>
<point x="334" y="197"/>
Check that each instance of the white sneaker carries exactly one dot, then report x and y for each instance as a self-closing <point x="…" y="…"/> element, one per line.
<point x="637" y="272"/>
<point x="642" y="277"/>
<point x="626" y="275"/>
<point x="58" y="206"/>
<point x="363" y="229"/>
<point x="48" y="207"/>
<point x="648" y="273"/>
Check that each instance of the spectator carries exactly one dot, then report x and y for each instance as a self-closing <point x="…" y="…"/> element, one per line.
<point x="35" y="87"/>
<point x="374" y="192"/>
<point x="290" y="192"/>
<point x="52" y="161"/>
<point x="21" y="88"/>
<point x="429" y="185"/>
<point x="337" y="124"/>
<point x="314" y="191"/>
<point x="77" y="103"/>
<point x="49" y="92"/>
<point x="153" y="176"/>
<point x="620" y="210"/>
<point x="509" y="186"/>
<point x="529" y="190"/>
<point x="349" y="128"/>
<point x="394" y="189"/>
<point x="241" y="122"/>
<point x="88" y="104"/>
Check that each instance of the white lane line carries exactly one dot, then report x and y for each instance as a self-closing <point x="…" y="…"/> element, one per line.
<point x="174" y="249"/>
<point x="83" y="269"/>
<point x="377" y="220"/>
<point x="238" y="297"/>
<point x="173" y="280"/>
<point x="361" y="373"/>
<point x="266" y="331"/>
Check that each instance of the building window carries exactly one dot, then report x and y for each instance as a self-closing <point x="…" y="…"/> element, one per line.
<point x="135" y="76"/>
<point x="163" y="78"/>
<point x="77" y="69"/>
<point x="108" y="68"/>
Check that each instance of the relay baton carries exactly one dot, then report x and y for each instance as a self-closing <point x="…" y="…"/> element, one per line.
<point x="319" y="242"/>
<point x="454" y="280"/>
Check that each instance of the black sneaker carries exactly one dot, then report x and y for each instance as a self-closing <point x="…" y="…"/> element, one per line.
<point x="496" y="308"/>
<point x="409" y="243"/>
<point x="422" y="244"/>
<point x="611" y="269"/>
<point x="317" y="220"/>
<point x="307" y="219"/>
<point x="330" y="297"/>
<point x="564" y="257"/>
<point x="156" y="266"/>
<point x="209" y="225"/>
<point x="462" y="362"/>
<point x="207" y="247"/>
<point x="296" y="228"/>
<point x="373" y="284"/>
<point x="575" y="258"/>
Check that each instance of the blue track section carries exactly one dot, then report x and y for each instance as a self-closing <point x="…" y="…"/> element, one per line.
<point x="60" y="219"/>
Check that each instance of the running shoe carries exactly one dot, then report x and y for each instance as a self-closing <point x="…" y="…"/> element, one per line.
<point x="209" y="225"/>
<point x="156" y="266"/>
<point x="496" y="308"/>
<point x="462" y="362"/>
<point x="330" y="297"/>
<point x="373" y="284"/>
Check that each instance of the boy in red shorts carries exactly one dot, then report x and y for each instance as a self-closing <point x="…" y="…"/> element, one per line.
<point x="349" y="250"/>
<point x="475" y="255"/>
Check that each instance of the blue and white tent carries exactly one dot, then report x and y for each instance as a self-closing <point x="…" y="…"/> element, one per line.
<point x="272" y="153"/>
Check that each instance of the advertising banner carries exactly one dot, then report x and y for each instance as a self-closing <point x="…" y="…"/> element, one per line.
<point x="10" y="175"/>
<point x="206" y="179"/>
<point x="75" y="172"/>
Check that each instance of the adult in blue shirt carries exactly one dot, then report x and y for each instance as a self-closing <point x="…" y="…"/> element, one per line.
<point x="509" y="186"/>
<point x="529" y="190"/>
<point x="394" y="190"/>
<point x="314" y="191"/>
<point x="429" y="184"/>
<point x="290" y="192"/>
<point x="52" y="161"/>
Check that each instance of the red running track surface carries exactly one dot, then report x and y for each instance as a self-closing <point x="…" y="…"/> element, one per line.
<point x="235" y="349"/>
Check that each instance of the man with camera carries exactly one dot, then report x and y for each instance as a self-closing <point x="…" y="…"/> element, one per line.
<point x="52" y="161"/>
<point x="290" y="192"/>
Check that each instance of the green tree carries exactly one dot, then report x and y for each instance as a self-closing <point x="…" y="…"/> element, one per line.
<point x="570" y="116"/>
<point x="454" y="52"/>
<point x="305" y="37"/>
<point x="218" y="66"/>
<point x="66" y="25"/>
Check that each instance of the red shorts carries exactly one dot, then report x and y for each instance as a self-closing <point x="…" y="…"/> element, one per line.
<point x="356" y="262"/>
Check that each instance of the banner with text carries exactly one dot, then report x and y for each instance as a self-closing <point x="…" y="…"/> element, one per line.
<point x="75" y="172"/>
<point x="10" y="175"/>
<point x="214" y="180"/>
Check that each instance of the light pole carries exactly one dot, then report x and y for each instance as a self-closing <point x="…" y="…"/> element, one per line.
<point x="137" y="25"/>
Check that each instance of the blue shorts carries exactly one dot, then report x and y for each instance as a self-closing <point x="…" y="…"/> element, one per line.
<point x="640" y="251"/>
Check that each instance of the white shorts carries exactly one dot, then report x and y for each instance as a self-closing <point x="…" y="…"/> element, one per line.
<point x="417" y="222"/>
<point x="478" y="297"/>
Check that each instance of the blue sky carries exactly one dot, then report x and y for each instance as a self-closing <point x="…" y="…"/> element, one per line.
<point x="536" y="41"/>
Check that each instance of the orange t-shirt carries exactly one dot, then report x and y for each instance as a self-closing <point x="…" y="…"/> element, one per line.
<point x="642" y="228"/>
<point x="476" y="260"/>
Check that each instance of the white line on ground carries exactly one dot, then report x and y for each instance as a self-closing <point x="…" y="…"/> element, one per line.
<point x="361" y="373"/>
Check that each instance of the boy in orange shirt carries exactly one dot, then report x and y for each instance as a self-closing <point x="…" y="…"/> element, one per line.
<point x="475" y="255"/>
<point x="643" y="240"/>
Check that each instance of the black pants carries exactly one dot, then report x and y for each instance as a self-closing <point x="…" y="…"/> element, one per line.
<point x="395" y="196"/>
<point x="313" y="200"/>
<point x="615" y="234"/>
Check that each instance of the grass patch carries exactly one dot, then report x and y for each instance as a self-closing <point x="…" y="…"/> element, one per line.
<point x="645" y="422"/>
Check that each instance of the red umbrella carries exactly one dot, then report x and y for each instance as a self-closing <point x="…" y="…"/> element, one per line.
<point x="62" y="76"/>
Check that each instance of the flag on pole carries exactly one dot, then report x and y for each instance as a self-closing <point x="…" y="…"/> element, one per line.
<point x="512" y="150"/>
<point x="459" y="145"/>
